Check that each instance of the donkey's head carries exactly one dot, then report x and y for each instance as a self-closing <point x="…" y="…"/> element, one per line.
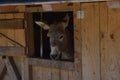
<point x="57" y="35"/>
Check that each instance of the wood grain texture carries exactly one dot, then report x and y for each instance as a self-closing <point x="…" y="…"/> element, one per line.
<point x="90" y="42"/>
<point x="12" y="71"/>
<point x="77" y="43"/>
<point x="37" y="73"/>
<point x="46" y="74"/>
<point x="25" y="69"/>
<point x="20" y="36"/>
<point x="55" y="74"/>
<point x="7" y="9"/>
<point x="110" y="63"/>
<point x="51" y="64"/>
<point x="104" y="39"/>
<point x="12" y="24"/>
<point x="12" y="16"/>
<point x="58" y="7"/>
<point x="64" y="75"/>
<point x="29" y="33"/>
<point x="3" y="69"/>
<point x="2" y="41"/>
<point x="12" y="51"/>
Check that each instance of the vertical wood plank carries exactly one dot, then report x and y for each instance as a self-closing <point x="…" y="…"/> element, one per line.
<point x="114" y="44"/>
<point x="37" y="73"/>
<point x="104" y="39"/>
<point x="72" y="75"/>
<point x="25" y="68"/>
<point x="64" y="75"/>
<point x="29" y="33"/>
<point x="110" y="58"/>
<point x="46" y="74"/>
<point x="55" y="74"/>
<point x="90" y="42"/>
<point x="77" y="42"/>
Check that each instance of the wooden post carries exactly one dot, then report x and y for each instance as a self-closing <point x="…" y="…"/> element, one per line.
<point x="29" y="34"/>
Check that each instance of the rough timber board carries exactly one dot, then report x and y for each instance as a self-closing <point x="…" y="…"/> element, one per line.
<point x="51" y="64"/>
<point x="90" y="42"/>
<point x="12" y="51"/>
<point x="77" y="43"/>
<point x="12" y="37"/>
<point x="104" y="39"/>
<point x="12" y="16"/>
<point x="45" y="2"/>
<point x="5" y="9"/>
<point x="113" y="3"/>
<point x="57" y="7"/>
<point x="12" y="24"/>
<point x="110" y="63"/>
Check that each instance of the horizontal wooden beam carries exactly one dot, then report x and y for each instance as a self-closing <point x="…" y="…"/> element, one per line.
<point x="12" y="24"/>
<point x="58" y="7"/>
<point x="6" y="9"/>
<point x="51" y="63"/>
<point x="12" y="51"/>
<point x="50" y="2"/>
<point x="12" y="16"/>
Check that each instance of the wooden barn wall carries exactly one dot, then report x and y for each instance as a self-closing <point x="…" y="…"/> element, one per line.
<point x="97" y="44"/>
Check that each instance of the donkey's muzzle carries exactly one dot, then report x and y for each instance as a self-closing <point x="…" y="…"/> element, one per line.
<point x="53" y="56"/>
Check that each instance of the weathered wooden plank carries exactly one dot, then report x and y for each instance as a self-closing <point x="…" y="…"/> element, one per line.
<point x="51" y="63"/>
<point x="33" y="8"/>
<point x="12" y="70"/>
<point x="62" y="7"/>
<point x="113" y="3"/>
<point x="18" y="16"/>
<point x="11" y="34"/>
<point x="58" y="7"/>
<point x="104" y="39"/>
<point x="25" y="69"/>
<point x="29" y="34"/>
<point x="77" y="42"/>
<point x="72" y="76"/>
<point x="12" y="24"/>
<point x="110" y="56"/>
<point x="90" y="42"/>
<point x="37" y="73"/>
<point x="55" y="74"/>
<point x="7" y="39"/>
<point x="3" y="42"/>
<point x="46" y="74"/>
<point x="64" y="75"/>
<point x="3" y="69"/>
<point x="6" y="9"/>
<point x="20" y="37"/>
<point x="12" y="51"/>
<point x="12" y="16"/>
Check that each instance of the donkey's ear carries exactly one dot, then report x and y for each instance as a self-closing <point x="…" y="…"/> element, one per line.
<point x="42" y="24"/>
<point x="66" y="20"/>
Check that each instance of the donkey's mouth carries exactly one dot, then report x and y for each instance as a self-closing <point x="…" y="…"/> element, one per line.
<point x="55" y="53"/>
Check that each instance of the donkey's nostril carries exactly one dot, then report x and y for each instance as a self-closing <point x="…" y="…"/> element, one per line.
<point x="53" y="56"/>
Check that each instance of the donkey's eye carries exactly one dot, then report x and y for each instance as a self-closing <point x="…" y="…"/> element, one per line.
<point x="61" y="38"/>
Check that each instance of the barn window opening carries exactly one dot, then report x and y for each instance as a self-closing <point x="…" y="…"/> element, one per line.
<point x="44" y="42"/>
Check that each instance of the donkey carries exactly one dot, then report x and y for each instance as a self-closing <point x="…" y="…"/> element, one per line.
<point x="59" y="37"/>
